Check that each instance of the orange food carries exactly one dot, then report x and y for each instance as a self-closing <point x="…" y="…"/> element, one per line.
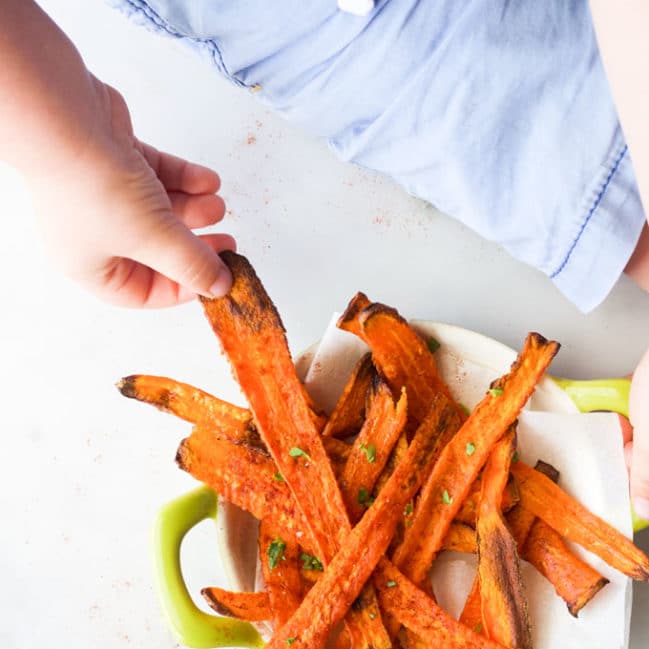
<point x="253" y="607"/>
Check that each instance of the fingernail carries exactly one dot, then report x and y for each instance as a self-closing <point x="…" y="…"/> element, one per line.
<point x="223" y="283"/>
<point x="641" y="506"/>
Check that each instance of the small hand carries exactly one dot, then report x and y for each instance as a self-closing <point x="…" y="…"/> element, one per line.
<point x="118" y="217"/>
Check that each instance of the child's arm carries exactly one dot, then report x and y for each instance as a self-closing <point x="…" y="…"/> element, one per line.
<point x="116" y="213"/>
<point x="622" y="34"/>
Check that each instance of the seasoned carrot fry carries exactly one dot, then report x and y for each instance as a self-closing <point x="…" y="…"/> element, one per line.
<point x="467" y="513"/>
<point x="333" y="594"/>
<point x="187" y="402"/>
<point x="252" y="336"/>
<point x="458" y="466"/>
<point x="472" y="612"/>
<point x="460" y="538"/>
<point x="574" y="522"/>
<point x="279" y="564"/>
<point x="348" y="415"/>
<point x="383" y="425"/>
<point x="252" y="607"/>
<point x="505" y="614"/>
<point x="398" y="352"/>
<point x="573" y="579"/>
<point x="421" y="614"/>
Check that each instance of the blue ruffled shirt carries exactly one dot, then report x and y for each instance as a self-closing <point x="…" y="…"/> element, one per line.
<point x="496" y="112"/>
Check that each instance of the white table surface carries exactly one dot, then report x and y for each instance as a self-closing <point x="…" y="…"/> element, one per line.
<point x="85" y="470"/>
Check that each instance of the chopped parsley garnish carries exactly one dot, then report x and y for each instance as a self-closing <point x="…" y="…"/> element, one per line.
<point x="370" y="452"/>
<point x="391" y="584"/>
<point x="290" y="640"/>
<point x="275" y="552"/>
<point x="477" y="628"/>
<point x="298" y="452"/>
<point x="495" y="392"/>
<point x="279" y="477"/>
<point x="364" y="497"/>
<point x="433" y="345"/>
<point x="408" y="509"/>
<point x="446" y="499"/>
<point x="372" y="616"/>
<point x="470" y="448"/>
<point x="464" y="409"/>
<point x="516" y="457"/>
<point x="311" y="562"/>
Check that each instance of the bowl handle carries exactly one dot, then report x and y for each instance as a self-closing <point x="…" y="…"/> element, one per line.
<point x="191" y="626"/>
<point x="602" y="394"/>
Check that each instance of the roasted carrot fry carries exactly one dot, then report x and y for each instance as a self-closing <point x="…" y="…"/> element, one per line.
<point x="252" y="607"/>
<point x="252" y="336"/>
<point x="467" y="513"/>
<point x="458" y="466"/>
<point x="333" y="594"/>
<point x="505" y="614"/>
<point x="348" y="415"/>
<point x="383" y="425"/>
<point x="460" y="538"/>
<point x="574" y="522"/>
<point x="279" y="563"/>
<point x="187" y="402"/>
<point x="472" y="612"/>
<point x="421" y="614"/>
<point x="399" y="353"/>
<point x="573" y="579"/>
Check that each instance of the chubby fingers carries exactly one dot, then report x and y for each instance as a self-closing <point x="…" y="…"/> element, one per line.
<point x="197" y="210"/>
<point x="639" y="416"/>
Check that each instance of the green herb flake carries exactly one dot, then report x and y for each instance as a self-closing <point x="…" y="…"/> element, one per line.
<point x="495" y="392"/>
<point x="372" y="616"/>
<point x="516" y="457"/>
<point x="464" y="409"/>
<point x="279" y="477"/>
<point x="477" y="628"/>
<point x="433" y="345"/>
<point x="290" y="640"/>
<point x="446" y="499"/>
<point x="470" y="448"/>
<point x="311" y="562"/>
<point x="370" y="452"/>
<point x="408" y="509"/>
<point x="275" y="552"/>
<point x="364" y="497"/>
<point x="298" y="452"/>
<point x="391" y="584"/>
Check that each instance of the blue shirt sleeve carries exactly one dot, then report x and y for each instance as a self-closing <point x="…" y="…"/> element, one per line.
<point x="498" y="113"/>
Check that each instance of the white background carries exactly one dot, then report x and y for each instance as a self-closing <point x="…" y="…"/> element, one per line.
<point x="85" y="470"/>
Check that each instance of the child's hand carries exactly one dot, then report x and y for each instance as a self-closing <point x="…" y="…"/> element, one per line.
<point x="117" y="214"/>
<point x="637" y="448"/>
<point x="118" y="217"/>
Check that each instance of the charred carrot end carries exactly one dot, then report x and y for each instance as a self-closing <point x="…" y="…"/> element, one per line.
<point x="421" y="614"/>
<point x="456" y="469"/>
<point x="348" y="415"/>
<point x="184" y="401"/>
<point x="576" y="523"/>
<point x="252" y="607"/>
<point x="504" y="606"/>
<point x="348" y="321"/>
<point x="574" y="580"/>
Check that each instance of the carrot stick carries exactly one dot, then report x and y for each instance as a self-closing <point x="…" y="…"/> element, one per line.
<point x="383" y="425"/>
<point x="398" y="352"/>
<point x="333" y="594"/>
<point x="573" y="579"/>
<point x="574" y="522"/>
<point x="252" y="607"/>
<point x="421" y="614"/>
<point x="505" y="614"/>
<point x="460" y="538"/>
<point x="348" y="415"/>
<point x="252" y="336"/>
<point x="468" y="511"/>
<point x="462" y="458"/>
<point x="279" y="564"/>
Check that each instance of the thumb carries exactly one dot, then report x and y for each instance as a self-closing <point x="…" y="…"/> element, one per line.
<point x="176" y="252"/>
<point x="639" y="416"/>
